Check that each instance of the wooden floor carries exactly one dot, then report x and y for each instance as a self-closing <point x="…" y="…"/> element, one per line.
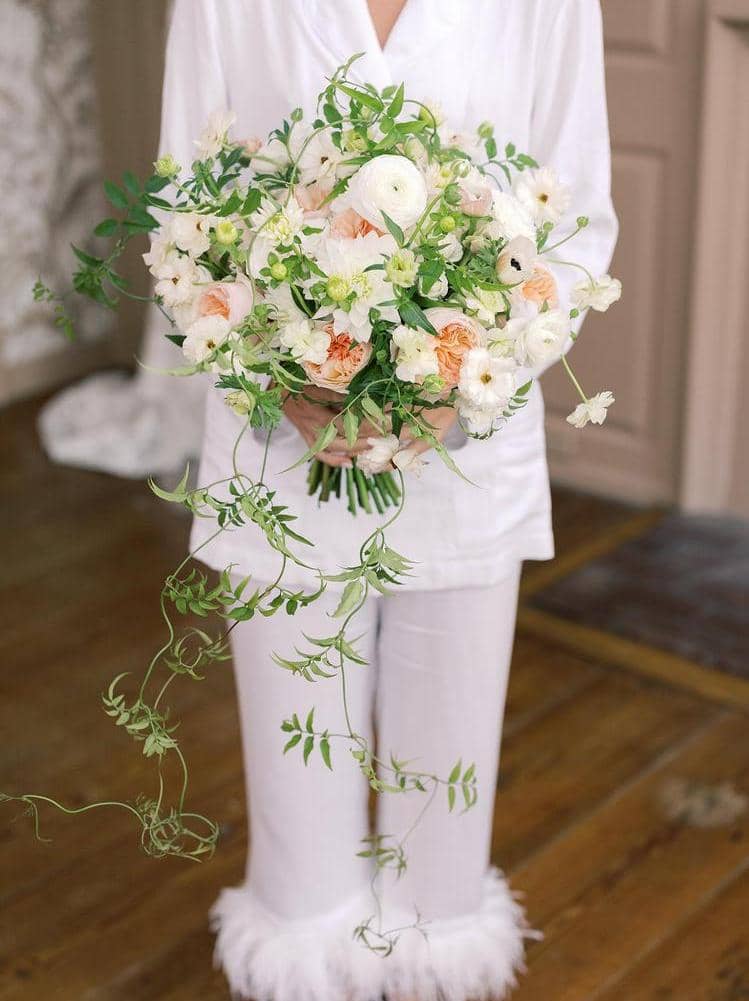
<point x="619" y="816"/>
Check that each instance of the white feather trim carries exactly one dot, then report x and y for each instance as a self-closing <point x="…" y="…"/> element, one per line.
<point x="266" y="958"/>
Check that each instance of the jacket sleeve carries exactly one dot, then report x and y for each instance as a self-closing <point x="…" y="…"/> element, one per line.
<point x="570" y="132"/>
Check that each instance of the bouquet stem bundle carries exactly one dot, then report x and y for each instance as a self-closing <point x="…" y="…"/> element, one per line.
<point x="363" y="492"/>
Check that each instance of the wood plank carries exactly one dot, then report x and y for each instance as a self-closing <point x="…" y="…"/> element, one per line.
<point x="560" y="767"/>
<point x="707" y="958"/>
<point x="636" y="657"/>
<point x="614" y="884"/>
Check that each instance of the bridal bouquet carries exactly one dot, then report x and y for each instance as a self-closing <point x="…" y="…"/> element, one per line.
<point x="373" y="258"/>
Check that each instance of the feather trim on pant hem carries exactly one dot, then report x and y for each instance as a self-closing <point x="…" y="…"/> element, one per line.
<point x="266" y="958"/>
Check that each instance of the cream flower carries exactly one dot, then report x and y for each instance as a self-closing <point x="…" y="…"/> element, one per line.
<point x="389" y="184"/>
<point x="510" y="219"/>
<point x="451" y="248"/>
<point x="189" y="231"/>
<point x="204" y="336"/>
<point x="542" y="194"/>
<point x="214" y="134"/>
<point x="486" y="304"/>
<point x="306" y="342"/>
<point x="515" y="263"/>
<point x="232" y="300"/>
<point x="408" y="460"/>
<point x="316" y="156"/>
<point x="539" y="340"/>
<point x="415" y="354"/>
<point x="179" y="278"/>
<point x="598" y="294"/>
<point x="487" y="381"/>
<point x="379" y="455"/>
<point x="474" y="419"/>
<point x="276" y="225"/>
<point x="344" y="359"/>
<point x="161" y="256"/>
<point x="594" y="410"/>
<point x="401" y="268"/>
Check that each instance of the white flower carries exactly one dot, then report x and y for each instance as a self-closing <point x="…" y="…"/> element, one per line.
<point x="510" y="219"/>
<point x="379" y="455"/>
<point x="204" y="336"/>
<point x="542" y="194"/>
<point x="594" y="410"/>
<point x="487" y="381"/>
<point x="438" y="176"/>
<point x="286" y="309"/>
<point x="539" y="340"/>
<point x="415" y="354"/>
<point x="598" y="294"/>
<point x="451" y="247"/>
<point x="401" y="268"/>
<point x="438" y="290"/>
<point x="316" y="156"/>
<point x="305" y="342"/>
<point x="179" y="278"/>
<point x="389" y="184"/>
<point x="515" y="263"/>
<point x="214" y="134"/>
<point x="278" y="226"/>
<point x="161" y="256"/>
<point x="486" y="304"/>
<point x="408" y="460"/>
<point x="474" y="419"/>
<point x="189" y="231"/>
<point x="345" y="264"/>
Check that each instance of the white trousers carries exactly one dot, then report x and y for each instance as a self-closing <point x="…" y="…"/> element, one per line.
<point x="433" y="691"/>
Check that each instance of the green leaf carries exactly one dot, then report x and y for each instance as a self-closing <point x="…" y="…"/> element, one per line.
<point x="85" y="258"/>
<point x="350" y="598"/>
<point x="252" y="201"/>
<point x="451" y="797"/>
<point x="106" y="228"/>
<point x="455" y="773"/>
<point x="308" y="748"/>
<point x="395" y="230"/>
<point x="292" y="742"/>
<point x="350" y="427"/>
<point x="309" y="723"/>
<point x="396" y="105"/>
<point x="361" y="96"/>
<point x="175" y="496"/>
<point x="131" y="182"/>
<point x="116" y="195"/>
<point x="325" y="752"/>
<point x="414" y="316"/>
<point x="375" y="413"/>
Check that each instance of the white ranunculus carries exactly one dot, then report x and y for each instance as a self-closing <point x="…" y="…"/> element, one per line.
<point x="510" y="219"/>
<point x="542" y="194"/>
<point x="189" y="231"/>
<point x="215" y="133"/>
<point x="415" y="354"/>
<point x="593" y="410"/>
<point x="204" y="336"/>
<point x="305" y="341"/>
<point x="390" y="184"/>
<point x="379" y="455"/>
<point x="474" y="419"/>
<point x="487" y="380"/>
<point x="539" y="340"/>
<point x="598" y="294"/>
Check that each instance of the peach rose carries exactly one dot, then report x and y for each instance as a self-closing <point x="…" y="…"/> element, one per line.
<point x="347" y="225"/>
<point x="231" y="300"/>
<point x="345" y="359"/>
<point x="457" y="334"/>
<point x="541" y="287"/>
<point x="311" y="198"/>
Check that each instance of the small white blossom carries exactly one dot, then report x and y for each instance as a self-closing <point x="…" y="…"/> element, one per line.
<point x="204" y="336"/>
<point x="542" y="194"/>
<point x="474" y="419"/>
<point x="161" y="256"/>
<point x="451" y="247"/>
<point x="278" y="226"/>
<point x="401" y="268"/>
<point x="415" y="354"/>
<point x="593" y="410"/>
<point x="408" y="460"/>
<point x="485" y="304"/>
<point x="179" y="278"/>
<point x="539" y="340"/>
<point x="510" y="219"/>
<point x="487" y="381"/>
<point x="379" y="455"/>
<point x="189" y="231"/>
<point x="305" y="341"/>
<point x="598" y="294"/>
<point x="214" y="134"/>
<point x="317" y="157"/>
<point x="438" y="289"/>
<point x="515" y="263"/>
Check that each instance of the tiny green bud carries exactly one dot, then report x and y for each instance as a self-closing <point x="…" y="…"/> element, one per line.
<point x="226" y="233"/>
<point x="297" y="115"/>
<point x="486" y="130"/>
<point x="583" y="221"/>
<point x="447" y="223"/>
<point x="240" y="403"/>
<point x="166" y="166"/>
<point x="278" y="271"/>
<point x="337" y="289"/>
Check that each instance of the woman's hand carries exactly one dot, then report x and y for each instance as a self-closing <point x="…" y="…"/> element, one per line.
<point x="311" y="412"/>
<point x="441" y="420"/>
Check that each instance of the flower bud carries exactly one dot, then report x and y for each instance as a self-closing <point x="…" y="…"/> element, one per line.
<point x="240" y="403"/>
<point x="166" y="166"/>
<point x="486" y="130"/>
<point x="278" y="270"/>
<point x="433" y="384"/>
<point x="226" y="233"/>
<point x="337" y="289"/>
<point x="447" y="223"/>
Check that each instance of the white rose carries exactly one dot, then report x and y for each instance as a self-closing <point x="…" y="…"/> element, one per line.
<point x="598" y="294"/>
<point x="539" y="340"/>
<point x="594" y="410"/>
<point x="389" y="184"/>
<point x="204" y="336"/>
<point x="510" y="219"/>
<point x="379" y="455"/>
<point x="415" y="354"/>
